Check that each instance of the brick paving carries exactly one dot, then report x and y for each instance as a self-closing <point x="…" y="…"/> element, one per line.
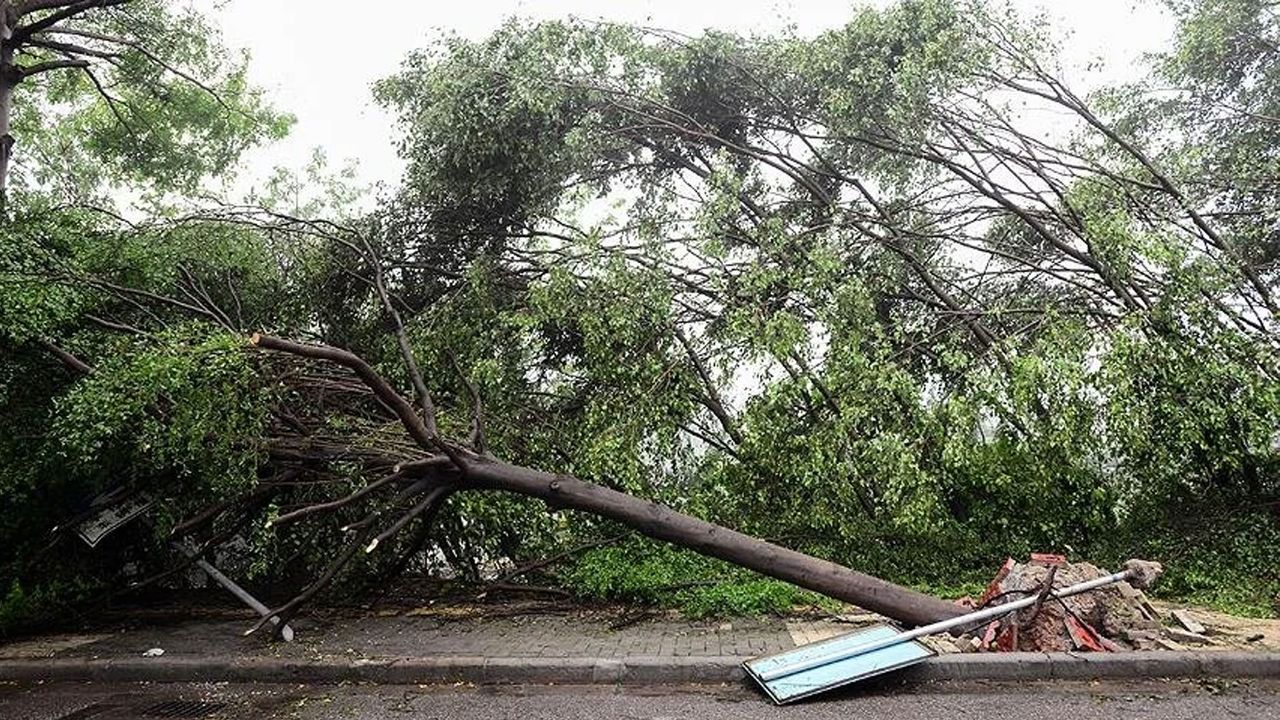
<point x="408" y="635"/>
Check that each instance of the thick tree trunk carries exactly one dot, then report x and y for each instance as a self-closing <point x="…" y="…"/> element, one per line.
<point x="8" y="81"/>
<point x="482" y="472"/>
<point x="663" y="523"/>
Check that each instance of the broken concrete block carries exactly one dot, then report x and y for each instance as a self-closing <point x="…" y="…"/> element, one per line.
<point x="1150" y="610"/>
<point x="1188" y="623"/>
<point x="1138" y="600"/>
<point x="1143" y="573"/>
<point x="1142" y="639"/>
<point x="942" y="645"/>
<point x="1184" y="636"/>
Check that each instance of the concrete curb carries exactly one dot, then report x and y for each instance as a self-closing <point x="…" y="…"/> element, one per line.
<point x="625" y="671"/>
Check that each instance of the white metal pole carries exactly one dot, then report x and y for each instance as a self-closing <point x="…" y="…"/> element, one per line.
<point x="286" y="632"/>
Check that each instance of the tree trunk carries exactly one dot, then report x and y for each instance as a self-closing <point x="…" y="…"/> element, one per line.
<point x="480" y="472"/>
<point x="8" y="81"/>
<point x="663" y="523"/>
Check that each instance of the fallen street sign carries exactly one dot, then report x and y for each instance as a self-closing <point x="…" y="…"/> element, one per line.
<point x="846" y="659"/>
<point x="821" y="666"/>
<point x="112" y="517"/>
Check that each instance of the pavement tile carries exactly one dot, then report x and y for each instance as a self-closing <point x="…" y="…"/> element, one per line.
<point x="574" y="648"/>
<point x="416" y="636"/>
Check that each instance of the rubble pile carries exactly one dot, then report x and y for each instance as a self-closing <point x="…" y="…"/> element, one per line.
<point x="1113" y="618"/>
<point x="1110" y="617"/>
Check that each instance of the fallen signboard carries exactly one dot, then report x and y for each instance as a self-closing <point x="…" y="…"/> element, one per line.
<point x="114" y="509"/>
<point x="788" y="676"/>
<point x="113" y="515"/>
<point x="849" y="658"/>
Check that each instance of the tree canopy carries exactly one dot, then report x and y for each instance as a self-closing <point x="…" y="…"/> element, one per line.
<point x="841" y="291"/>
<point x="137" y="95"/>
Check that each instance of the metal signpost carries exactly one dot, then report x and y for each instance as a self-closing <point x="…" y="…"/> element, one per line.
<point x="109" y="513"/>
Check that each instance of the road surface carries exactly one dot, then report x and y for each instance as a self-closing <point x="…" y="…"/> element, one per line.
<point x="1069" y="701"/>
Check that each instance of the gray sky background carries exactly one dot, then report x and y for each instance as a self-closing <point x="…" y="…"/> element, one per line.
<point x="318" y="58"/>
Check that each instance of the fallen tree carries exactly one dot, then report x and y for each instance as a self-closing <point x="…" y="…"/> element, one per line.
<point x="872" y="321"/>
<point x="446" y="467"/>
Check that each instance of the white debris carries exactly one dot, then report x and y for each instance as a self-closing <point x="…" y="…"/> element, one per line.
<point x="1188" y="623"/>
<point x="1186" y="637"/>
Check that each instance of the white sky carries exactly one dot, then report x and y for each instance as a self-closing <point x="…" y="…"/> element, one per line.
<point x="318" y="58"/>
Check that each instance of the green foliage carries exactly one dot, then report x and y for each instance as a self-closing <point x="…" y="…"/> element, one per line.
<point x="23" y="608"/>
<point x="35" y="249"/>
<point x="733" y="275"/>
<point x="743" y="598"/>
<point x="1223" y="63"/>
<point x="1224" y="559"/>
<point x="1191" y="419"/>
<point x="171" y="108"/>
<point x="189" y="407"/>
<point x="486" y="136"/>
<point x="645" y="571"/>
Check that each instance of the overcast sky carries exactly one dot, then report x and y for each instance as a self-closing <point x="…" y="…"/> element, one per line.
<point x="318" y="58"/>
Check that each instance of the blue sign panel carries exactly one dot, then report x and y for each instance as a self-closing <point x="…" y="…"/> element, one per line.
<point x="857" y="666"/>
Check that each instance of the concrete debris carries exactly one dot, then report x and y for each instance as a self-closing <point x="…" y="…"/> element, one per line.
<point x="1146" y="640"/>
<point x="1144" y="573"/>
<point x="1188" y="623"/>
<point x="1188" y="637"/>
<point x="1111" y="618"/>
<point x="1114" y="618"/>
<point x="1139" y="600"/>
<point x="941" y="645"/>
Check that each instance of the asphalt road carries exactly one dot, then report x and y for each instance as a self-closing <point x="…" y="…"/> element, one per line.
<point x="1069" y="701"/>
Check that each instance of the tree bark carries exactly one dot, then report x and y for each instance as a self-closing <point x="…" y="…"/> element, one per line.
<point x="483" y="472"/>
<point x="663" y="523"/>
<point x="9" y="78"/>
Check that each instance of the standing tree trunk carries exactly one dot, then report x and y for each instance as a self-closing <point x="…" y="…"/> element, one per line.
<point x="9" y="78"/>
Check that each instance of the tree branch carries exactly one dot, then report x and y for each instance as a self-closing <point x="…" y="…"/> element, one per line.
<point x="26" y="8"/>
<point x="477" y="439"/>
<point x="712" y="399"/>
<point x="24" y="32"/>
<point x="380" y="387"/>
<point x="428" y="505"/>
<point x="71" y="361"/>
<point x="71" y="49"/>
<point x="334" y="504"/>
<point x="27" y="71"/>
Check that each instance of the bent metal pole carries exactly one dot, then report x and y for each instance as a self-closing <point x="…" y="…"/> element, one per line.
<point x="943" y="626"/>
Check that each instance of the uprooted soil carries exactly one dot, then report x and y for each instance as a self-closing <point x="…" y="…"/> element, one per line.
<point x="1114" y="618"/>
<point x="1108" y="618"/>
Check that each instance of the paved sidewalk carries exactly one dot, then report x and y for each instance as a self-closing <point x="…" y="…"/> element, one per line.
<point x="408" y="635"/>
<point x="574" y="648"/>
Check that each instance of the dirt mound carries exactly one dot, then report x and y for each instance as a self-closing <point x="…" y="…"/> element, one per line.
<point x="1111" y="618"/>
